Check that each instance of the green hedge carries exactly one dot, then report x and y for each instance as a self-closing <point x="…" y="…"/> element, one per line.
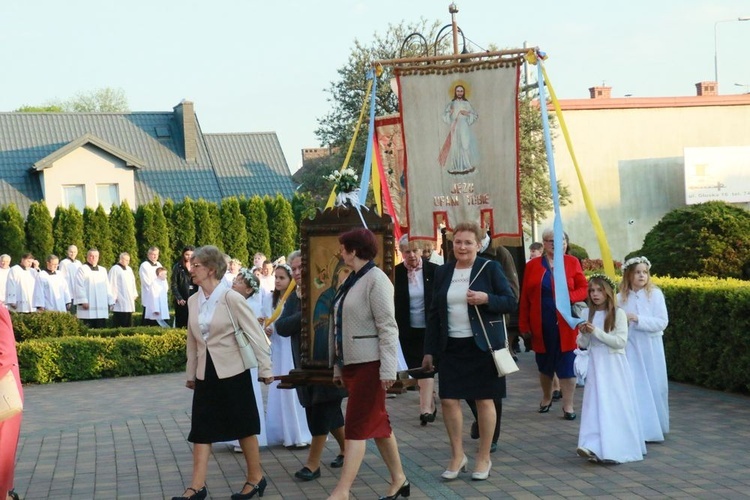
<point x="707" y="342"/>
<point x="83" y="358"/>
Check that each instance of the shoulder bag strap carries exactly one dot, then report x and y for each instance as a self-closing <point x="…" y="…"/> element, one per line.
<point x="481" y="321"/>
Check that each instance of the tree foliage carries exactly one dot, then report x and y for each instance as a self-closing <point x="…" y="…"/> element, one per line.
<point x="281" y="227"/>
<point x="67" y="227"/>
<point x="12" y="237"/>
<point x="233" y="232"/>
<point x="96" y="234"/>
<point x="103" y="100"/>
<point x="183" y="221"/>
<point x="535" y="188"/>
<point x="206" y="230"/>
<point x="122" y="228"/>
<point x="39" y="238"/>
<point x="709" y="239"/>
<point x="152" y="231"/>
<point x="256" y="224"/>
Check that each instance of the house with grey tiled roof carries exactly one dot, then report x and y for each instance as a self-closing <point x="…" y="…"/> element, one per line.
<point x="89" y="158"/>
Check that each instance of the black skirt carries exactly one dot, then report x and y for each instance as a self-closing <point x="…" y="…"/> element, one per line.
<point x="412" y="345"/>
<point x="223" y="409"/>
<point x="467" y="372"/>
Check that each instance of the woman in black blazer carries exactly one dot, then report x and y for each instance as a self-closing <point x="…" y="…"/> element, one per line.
<point x="465" y="289"/>
<point x="413" y="297"/>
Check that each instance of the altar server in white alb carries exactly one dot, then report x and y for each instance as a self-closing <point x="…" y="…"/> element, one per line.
<point x="69" y="267"/>
<point x="158" y="309"/>
<point x="647" y="318"/>
<point x="51" y="291"/>
<point x="4" y="271"/>
<point x="93" y="296"/>
<point x="122" y="282"/>
<point x="147" y="274"/>
<point x="19" y="291"/>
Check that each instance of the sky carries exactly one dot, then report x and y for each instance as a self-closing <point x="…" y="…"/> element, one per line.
<point x="252" y="66"/>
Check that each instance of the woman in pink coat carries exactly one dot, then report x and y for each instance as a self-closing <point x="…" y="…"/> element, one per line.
<point x="10" y="429"/>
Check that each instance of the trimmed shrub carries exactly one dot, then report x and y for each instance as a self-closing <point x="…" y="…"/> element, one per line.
<point x="281" y="226"/>
<point x="45" y="324"/>
<point x="206" y="232"/>
<point x="706" y="342"/>
<point x="83" y="358"/>
<point x="577" y="251"/>
<point x="183" y="221"/>
<point x="96" y="234"/>
<point x="709" y="239"/>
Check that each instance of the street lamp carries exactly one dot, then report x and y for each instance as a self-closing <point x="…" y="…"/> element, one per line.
<point x="746" y="86"/>
<point x="716" y="44"/>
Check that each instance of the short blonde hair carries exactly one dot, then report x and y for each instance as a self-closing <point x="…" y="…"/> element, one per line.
<point x="211" y="258"/>
<point x="470" y="227"/>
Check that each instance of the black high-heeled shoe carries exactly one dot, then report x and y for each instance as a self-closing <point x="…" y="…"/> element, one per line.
<point x="403" y="491"/>
<point x="545" y="408"/>
<point x="257" y="488"/>
<point x="197" y="494"/>
<point x="12" y="494"/>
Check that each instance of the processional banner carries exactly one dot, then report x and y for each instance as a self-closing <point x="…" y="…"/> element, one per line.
<point x="391" y="148"/>
<point x="459" y="126"/>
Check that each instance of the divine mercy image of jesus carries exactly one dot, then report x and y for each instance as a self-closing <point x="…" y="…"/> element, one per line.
<point x="460" y="151"/>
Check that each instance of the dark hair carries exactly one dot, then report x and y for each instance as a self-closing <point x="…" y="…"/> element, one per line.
<point x="361" y="241"/>
<point x="536" y="246"/>
<point x="160" y="269"/>
<point x="187" y="248"/>
<point x="27" y="255"/>
<point x="276" y="295"/>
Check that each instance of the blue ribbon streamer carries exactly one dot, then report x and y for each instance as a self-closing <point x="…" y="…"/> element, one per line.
<point x="562" y="297"/>
<point x="364" y="185"/>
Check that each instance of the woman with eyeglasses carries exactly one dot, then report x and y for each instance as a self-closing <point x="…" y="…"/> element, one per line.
<point x="553" y="340"/>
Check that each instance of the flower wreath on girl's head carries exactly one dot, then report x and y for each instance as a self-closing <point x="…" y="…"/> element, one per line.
<point x="634" y="261"/>
<point x="285" y="266"/>
<point x="604" y="278"/>
<point x="250" y="279"/>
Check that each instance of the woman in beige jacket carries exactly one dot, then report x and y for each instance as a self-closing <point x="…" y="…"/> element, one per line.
<point x="223" y="402"/>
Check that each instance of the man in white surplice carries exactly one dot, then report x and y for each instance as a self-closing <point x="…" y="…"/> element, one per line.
<point x="19" y="292"/>
<point x="51" y="291"/>
<point x="93" y="294"/>
<point x="69" y="267"/>
<point x="4" y="271"/>
<point x="122" y="281"/>
<point x="147" y="273"/>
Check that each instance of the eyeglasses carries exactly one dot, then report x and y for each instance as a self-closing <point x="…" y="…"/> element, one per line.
<point x="548" y="241"/>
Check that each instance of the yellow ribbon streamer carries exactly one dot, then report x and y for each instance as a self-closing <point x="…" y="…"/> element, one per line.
<point x="332" y="197"/>
<point x="280" y="305"/>
<point x="609" y="267"/>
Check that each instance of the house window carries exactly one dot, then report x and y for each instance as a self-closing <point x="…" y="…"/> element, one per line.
<point x="74" y="195"/>
<point x="108" y="195"/>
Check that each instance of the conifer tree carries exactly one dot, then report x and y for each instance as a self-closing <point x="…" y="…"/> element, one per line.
<point x="233" y="233"/>
<point x="281" y="226"/>
<point x="67" y="227"/>
<point x="151" y="228"/>
<point x="12" y="237"/>
<point x="96" y="234"/>
<point x="206" y="233"/>
<point x="39" y="239"/>
<point x="122" y="228"/>
<point x="256" y="224"/>
<point x="167" y="209"/>
<point x="183" y="221"/>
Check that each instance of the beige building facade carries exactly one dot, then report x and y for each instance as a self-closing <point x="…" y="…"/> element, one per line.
<point x="631" y="155"/>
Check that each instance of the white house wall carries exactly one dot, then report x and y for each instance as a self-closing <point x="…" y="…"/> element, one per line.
<point x="632" y="164"/>
<point x="89" y="166"/>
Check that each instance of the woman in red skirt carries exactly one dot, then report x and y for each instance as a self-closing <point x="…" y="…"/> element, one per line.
<point x="363" y="339"/>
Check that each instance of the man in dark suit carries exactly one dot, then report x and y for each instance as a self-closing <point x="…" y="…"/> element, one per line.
<point x="413" y="297"/>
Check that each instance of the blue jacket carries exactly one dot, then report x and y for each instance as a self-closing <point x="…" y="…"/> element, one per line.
<point x="492" y="281"/>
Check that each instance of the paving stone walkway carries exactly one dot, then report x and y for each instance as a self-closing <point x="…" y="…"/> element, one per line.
<point x="126" y="438"/>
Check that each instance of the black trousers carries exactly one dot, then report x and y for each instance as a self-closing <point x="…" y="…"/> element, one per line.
<point x="95" y="323"/>
<point x="122" y="319"/>
<point x="148" y="322"/>
<point x="498" y="409"/>
<point x="180" y="315"/>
